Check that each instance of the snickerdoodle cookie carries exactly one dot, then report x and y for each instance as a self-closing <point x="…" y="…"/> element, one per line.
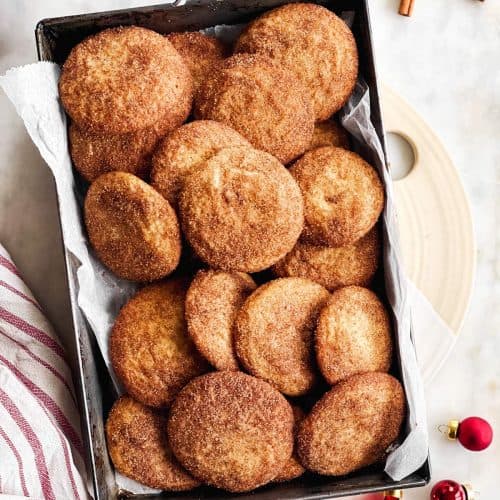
<point x="133" y="229"/>
<point x="315" y="44"/>
<point x="231" y="430"/>
<point x="332" y="267"/>
<point x="151" y="351"/>
<point x="352" y="425"/>
<point x="263" y="101"/>
<point x="185" y="150"/>
<point x="139" y="449"/>
<point x="125" y="79"/>
<point x="242" y="210"/>
<point x="96" y="154"/>
<point x="200" y="52"/>
<point x="212" y="301"/>
<point x="353" y="335"/>
<point x="343" y="196"/>
<point x="274" y="334"/>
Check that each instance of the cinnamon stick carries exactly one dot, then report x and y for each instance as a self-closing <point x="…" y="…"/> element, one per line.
<point x="406" y="7"/>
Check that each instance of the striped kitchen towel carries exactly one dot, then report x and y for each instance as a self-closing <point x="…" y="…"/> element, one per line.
<point x="41" y="449"/>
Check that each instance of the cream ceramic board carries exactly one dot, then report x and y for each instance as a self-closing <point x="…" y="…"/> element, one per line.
<point x="435" y="223"/>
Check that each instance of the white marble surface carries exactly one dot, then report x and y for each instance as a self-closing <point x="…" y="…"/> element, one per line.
<point x="445" y="61"/>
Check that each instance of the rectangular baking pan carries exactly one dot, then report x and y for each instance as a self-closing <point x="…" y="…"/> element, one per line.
<point x="55" y="38"/>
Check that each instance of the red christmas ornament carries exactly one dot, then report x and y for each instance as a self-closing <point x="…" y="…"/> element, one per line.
<point x="473" y="433"/>
<point x="451" y="490"/>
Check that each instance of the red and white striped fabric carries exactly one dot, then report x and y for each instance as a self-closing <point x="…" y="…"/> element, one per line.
<point x="41" y="449"/>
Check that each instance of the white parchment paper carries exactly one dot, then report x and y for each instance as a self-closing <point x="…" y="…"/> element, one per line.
<point x="33" y="91"/>
<point x="411" y="454"/>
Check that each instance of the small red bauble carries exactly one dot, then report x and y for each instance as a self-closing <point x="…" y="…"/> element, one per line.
<point x="448" y="490"/>
<point x="473" y="433"/>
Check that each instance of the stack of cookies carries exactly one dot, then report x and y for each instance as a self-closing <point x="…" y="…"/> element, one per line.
<point x="255" y="351"/>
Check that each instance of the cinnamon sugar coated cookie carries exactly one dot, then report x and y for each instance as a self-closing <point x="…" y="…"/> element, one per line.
<point x="274" y="333"/>
<point x="125" y="79"/>
<point x="293" y="467"/>
<point x="262" y="101"/>
<point x="132" y="228"/>
<point x="241" y="211"/>
<point x="352" y="425"/>
<point x="200" y="52"/>
<point x="96" y="154"/>
<point x="212" y="302"/>
<point x="185" y="150"/>
<point x="353" y="335"/>
<point x="343" y="196"/>
<point x="329" y="133"/>
<point x="150" y="349"/>
<point x="315" y="44"/>
<point x="138" y="446"/>
<point x="331" y="267"/>
<point x="231" y="430"/>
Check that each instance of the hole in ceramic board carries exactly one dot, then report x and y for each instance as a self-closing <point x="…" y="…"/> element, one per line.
<point x="401" y="155"/>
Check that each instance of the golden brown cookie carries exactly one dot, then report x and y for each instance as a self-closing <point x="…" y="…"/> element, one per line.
<point x="212" y="302"/>
<point x="139" y="449"/>
<point x="293" y="467"/>
<point x="353" y="335"/>
<point x="315" y="44"/>
<point x="262" y="101"/>
<point x="352" y="425"/>
<point x="125" y="79"/>
<point x="185" y="149"/>
<point x="200" y="52"/>
<point x="354" y="264"/>
<point x="150" y="349"/>
<point x="343" y="196"/>
<point x="96" y="154"/>
<point x="242" y="210"/>
<point x="133" y="229"/>
<point x="274" y="333"/>
<point x="329" y="133"/>
<point x="231" y="430"/>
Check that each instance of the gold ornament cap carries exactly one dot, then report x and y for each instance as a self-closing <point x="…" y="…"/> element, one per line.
<point x="472" y="494"/>
<point x="453" y="429"/>
<point x="394" y="493"/>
